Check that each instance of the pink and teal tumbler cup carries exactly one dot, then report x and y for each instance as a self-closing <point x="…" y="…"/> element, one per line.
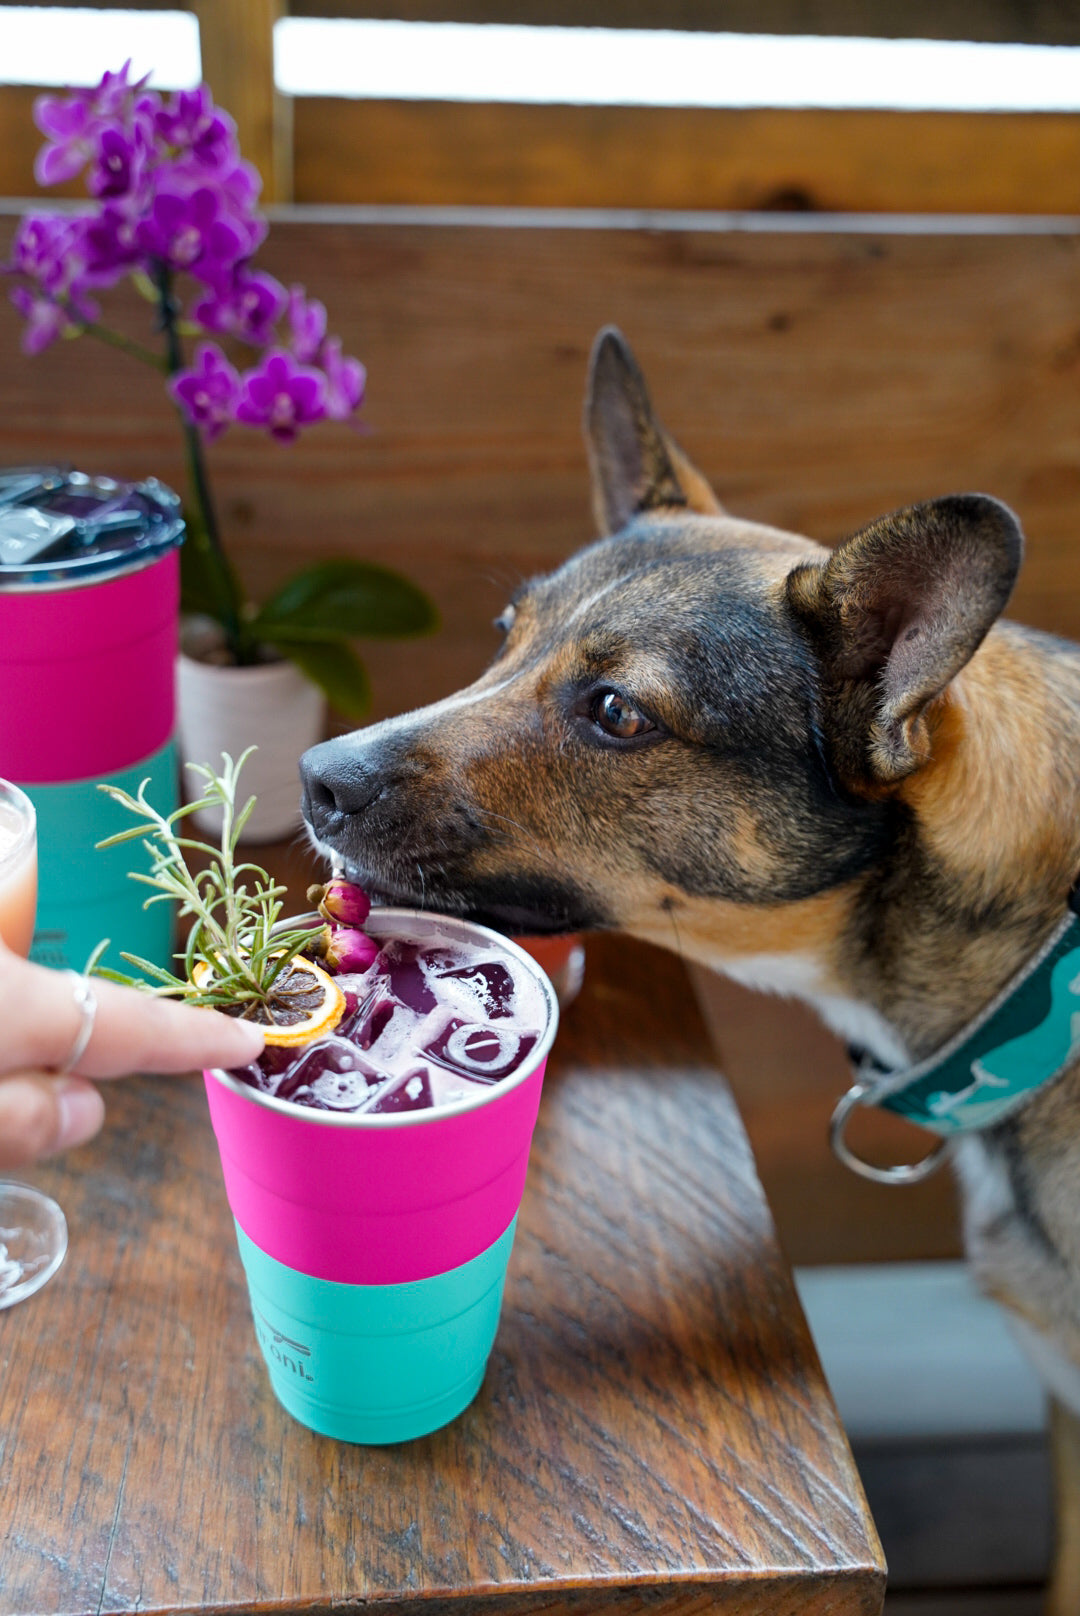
<point x="375" y="1247"/>
<point x="89" y="597"/>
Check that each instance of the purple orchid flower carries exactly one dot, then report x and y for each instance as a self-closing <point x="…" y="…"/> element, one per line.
<point x="282" y="396"/>
<point x="192" y="126"/>
<point x="70" y="123"/>
<point x="307" y="325"/>
<point x="70" y="126"/>
<point x="120" y="159"/>
<point x="172" y="196"/>
<point x="239" y="185"/>
<point x="45" y="248"/>
<point x="345" y="380"/>
<point x="49" y="251"/>
<point x="109" y="246"/>
<point x="248" y="308"/>
<point x="208" y="391"/>
<point x="45" y="319"/>
<point x="194" y="232"/>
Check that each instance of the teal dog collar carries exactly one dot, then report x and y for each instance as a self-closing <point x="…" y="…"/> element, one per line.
<point x="1019" y="1042"/>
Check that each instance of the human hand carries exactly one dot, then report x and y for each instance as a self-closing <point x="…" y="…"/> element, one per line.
<point x="45" y="1108"/>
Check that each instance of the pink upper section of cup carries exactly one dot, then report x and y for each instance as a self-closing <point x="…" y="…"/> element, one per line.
<point x="88" y="675"/>
<point x="375" y="1204"/>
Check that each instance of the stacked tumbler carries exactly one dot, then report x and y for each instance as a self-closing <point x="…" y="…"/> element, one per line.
<point x="89" y="596"/>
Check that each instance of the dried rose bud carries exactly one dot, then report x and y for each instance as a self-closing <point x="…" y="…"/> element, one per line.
<point x="341" y="901"/>
<point x="349" y="950"/>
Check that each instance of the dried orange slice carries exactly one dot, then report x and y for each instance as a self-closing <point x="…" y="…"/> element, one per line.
<point x="304" y="1003"/>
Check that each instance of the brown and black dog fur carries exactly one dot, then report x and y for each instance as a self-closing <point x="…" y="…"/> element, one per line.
<point x="830" y="774"/>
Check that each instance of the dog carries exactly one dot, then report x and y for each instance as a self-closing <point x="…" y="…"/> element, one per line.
<point x="837" y="775"/>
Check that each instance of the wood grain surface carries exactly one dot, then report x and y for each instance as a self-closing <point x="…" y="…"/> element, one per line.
<point x="654" y="1434"/>
<point x="435" y="153"/>
<point x="820" y="377"/>
<point x="236" y="44"/>
<point x="500" y="154"/>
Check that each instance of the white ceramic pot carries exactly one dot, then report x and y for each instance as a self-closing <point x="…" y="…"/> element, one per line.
<point x="227" y="709"/>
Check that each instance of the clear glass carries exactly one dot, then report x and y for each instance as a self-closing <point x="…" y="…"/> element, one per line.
<point x="18" y="868"/>
<point x="33" y="1229"/>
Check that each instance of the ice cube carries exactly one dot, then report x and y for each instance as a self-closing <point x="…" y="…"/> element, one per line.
<point x="489" y="982"/>
<point x="403" y="963"/>
<point x="372" y="1018"/>
<point x="410" y="1093"/>
<point x="483" y="1053"/>
<point x="357" y="983"/>
<point x="450" y="1087"/>
<point x="254" y="1077"/>
<point x="341" y="1091"/>
<point x="334" y="1075"/>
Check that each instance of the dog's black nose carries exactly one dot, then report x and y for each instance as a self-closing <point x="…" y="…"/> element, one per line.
<point x="335" y="782"/>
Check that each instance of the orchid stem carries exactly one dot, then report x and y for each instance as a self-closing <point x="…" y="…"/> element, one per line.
<point x="114" y="339"/>
<point x="236" y="639"/>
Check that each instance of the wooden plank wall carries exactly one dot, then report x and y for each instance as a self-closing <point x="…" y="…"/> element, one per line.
<point x="436" y="153"/>
<point x="432" y="152"/>
<point x="819" y="376"/>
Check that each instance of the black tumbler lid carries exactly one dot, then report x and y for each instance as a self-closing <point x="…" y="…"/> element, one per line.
<point x="60" y="527"/>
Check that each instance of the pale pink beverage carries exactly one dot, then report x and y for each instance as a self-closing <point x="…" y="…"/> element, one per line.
<point x="33" y="1232"/>
<point x="18" y="868"/>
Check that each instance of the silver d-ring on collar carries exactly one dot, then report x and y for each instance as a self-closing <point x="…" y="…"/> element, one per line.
<point x="912" y="1173"/>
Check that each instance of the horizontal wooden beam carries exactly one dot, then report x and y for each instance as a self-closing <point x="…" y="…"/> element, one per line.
<point x="544" y="156"/>
<point x="1036" y="21"/>
<point x="438" y="153"/>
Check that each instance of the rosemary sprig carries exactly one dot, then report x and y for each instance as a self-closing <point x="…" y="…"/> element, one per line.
<point x="234" y="906"/>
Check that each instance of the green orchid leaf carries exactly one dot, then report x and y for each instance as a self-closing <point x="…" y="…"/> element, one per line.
<point x="202" y="587"/>
<point x="208" y="581"/>
<point x="344" y="600"/>
<point x="338" y="672"/>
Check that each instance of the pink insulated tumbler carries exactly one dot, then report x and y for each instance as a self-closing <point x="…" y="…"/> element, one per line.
<point x="89" y="597"/>
<point x="375" y="1246"/>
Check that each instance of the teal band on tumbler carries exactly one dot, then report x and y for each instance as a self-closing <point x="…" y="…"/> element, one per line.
<point x="376" y="1363"/>
<point x="85" y="895"/>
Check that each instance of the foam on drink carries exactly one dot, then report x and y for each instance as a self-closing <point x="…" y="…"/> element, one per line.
<point x="426" y="1026"/>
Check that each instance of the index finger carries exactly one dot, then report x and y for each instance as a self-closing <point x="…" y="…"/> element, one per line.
<point x="134" y="1032"/>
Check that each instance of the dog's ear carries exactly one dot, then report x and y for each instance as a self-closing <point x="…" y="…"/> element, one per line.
<point x="895" y="613"/>
<point x="635" y="466"/>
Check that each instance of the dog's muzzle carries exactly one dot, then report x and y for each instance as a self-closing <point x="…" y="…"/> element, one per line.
<point x="336" y="783"/>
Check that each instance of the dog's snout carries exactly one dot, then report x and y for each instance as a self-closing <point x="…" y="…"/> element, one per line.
<point x="336" y="782"/>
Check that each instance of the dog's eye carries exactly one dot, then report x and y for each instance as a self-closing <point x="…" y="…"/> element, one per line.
<point x="617" y="717"/>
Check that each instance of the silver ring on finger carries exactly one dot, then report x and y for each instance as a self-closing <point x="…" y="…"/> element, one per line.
<point x="86" y="1004"/>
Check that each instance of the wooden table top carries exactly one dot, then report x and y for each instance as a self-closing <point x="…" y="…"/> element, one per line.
<point x="654" y="1432"/>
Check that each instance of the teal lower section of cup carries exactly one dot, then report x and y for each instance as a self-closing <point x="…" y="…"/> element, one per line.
<point x="85" y="894"/>
<point x="376" y="1363"/>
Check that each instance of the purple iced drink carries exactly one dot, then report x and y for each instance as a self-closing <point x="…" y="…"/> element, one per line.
<point x="424" y="1027"/>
